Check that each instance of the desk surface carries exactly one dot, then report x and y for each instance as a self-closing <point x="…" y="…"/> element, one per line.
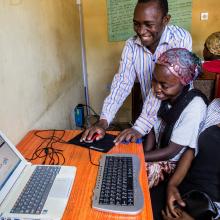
<point x="80" y="201"/>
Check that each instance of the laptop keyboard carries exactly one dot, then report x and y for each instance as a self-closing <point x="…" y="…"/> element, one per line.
<point x="35" y="193"/>
<point x="117" y="187"/>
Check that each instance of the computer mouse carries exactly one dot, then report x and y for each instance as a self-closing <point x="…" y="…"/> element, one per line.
<point x="95" y="135"/>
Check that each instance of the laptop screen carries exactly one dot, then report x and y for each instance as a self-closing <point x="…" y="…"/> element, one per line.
<point x="9" y="160"/>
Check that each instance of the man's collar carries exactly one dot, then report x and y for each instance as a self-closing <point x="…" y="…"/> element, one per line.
<point x="165" y="37"/>
<point x="138" y="41"/>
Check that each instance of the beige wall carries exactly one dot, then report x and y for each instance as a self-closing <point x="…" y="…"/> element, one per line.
<point x="202" y="29"/>
<point x="103" y="56"/>
<point x="40" y="71"/>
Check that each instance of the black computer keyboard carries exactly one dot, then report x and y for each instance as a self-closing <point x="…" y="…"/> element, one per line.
<point x="34" y="195"/>
<point x="117" y="186"/>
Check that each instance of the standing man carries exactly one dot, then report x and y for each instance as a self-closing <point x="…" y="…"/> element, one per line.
<point x="153" y="37"/>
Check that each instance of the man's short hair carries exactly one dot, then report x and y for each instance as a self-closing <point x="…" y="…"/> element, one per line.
<point x="162" y="3"/>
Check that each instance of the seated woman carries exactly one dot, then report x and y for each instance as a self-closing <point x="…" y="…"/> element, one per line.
<point x="201" y="174"/>
<point x="180" y="115"/>
<point x="211" y="54"/>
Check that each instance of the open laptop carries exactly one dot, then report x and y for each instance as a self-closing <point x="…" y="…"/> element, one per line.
<point x="15" y="175"/>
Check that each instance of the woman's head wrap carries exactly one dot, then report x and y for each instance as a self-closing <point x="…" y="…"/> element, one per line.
<point x="213" y="43"/>
<point x="182" y="63"/>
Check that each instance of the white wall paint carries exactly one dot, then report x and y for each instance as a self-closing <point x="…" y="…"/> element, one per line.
<point x="40" y="70"/>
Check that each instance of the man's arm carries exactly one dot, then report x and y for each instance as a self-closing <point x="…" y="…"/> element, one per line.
<point x="121" y="85"/>
<point x="145" y="121"/>
<point x="148" y="116"/>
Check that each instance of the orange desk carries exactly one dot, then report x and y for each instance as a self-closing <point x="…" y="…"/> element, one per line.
<point x="80" y="201"/>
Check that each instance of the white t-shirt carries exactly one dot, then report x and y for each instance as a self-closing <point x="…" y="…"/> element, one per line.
<point x="187" y="127"/>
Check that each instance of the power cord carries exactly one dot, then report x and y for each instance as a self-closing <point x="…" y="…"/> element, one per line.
<point x="46" y="150"/>
<point x="87" y="106"/>
<point x="88" y="117"/>
<point x="90" y="159"/>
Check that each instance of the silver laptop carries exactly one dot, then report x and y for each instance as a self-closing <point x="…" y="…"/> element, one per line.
<point x="31" y="191"/>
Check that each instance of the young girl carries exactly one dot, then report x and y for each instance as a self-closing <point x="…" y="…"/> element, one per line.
<point x="180" y="115"/>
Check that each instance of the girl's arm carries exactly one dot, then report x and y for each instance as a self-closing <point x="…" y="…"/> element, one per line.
<point x="173" y="195"/>
<point x="150" y="142"/>
<point x="182" y="168"/>
<point x="163" y="154"/>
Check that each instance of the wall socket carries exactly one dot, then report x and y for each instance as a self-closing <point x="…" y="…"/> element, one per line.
<point x="78" y="2"/>
<point x="204" y="16"/>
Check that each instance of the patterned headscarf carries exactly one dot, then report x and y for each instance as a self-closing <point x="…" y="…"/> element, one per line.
<point x="182" y="63"/>
<point x="213" y="43"/>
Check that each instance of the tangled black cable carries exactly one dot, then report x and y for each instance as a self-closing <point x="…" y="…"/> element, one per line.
<point x="46" y="150"/>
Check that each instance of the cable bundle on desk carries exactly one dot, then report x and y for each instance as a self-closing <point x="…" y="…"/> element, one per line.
<point x="46" y="151"/>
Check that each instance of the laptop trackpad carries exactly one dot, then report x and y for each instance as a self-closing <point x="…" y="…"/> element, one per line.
<point x="60" y="188"/>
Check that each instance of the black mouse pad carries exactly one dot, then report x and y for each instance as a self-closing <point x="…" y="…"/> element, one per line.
<point x="103" y="145"/>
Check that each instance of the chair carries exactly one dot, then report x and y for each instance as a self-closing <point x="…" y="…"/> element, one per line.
<point x="217" y="86"/>
<point x="209" y="84"/>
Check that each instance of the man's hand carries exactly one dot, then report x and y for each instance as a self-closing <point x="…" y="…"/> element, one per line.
<point x="98" y="128"/>
<point x="173" y="197"/>
<point x="128" y="135"/>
